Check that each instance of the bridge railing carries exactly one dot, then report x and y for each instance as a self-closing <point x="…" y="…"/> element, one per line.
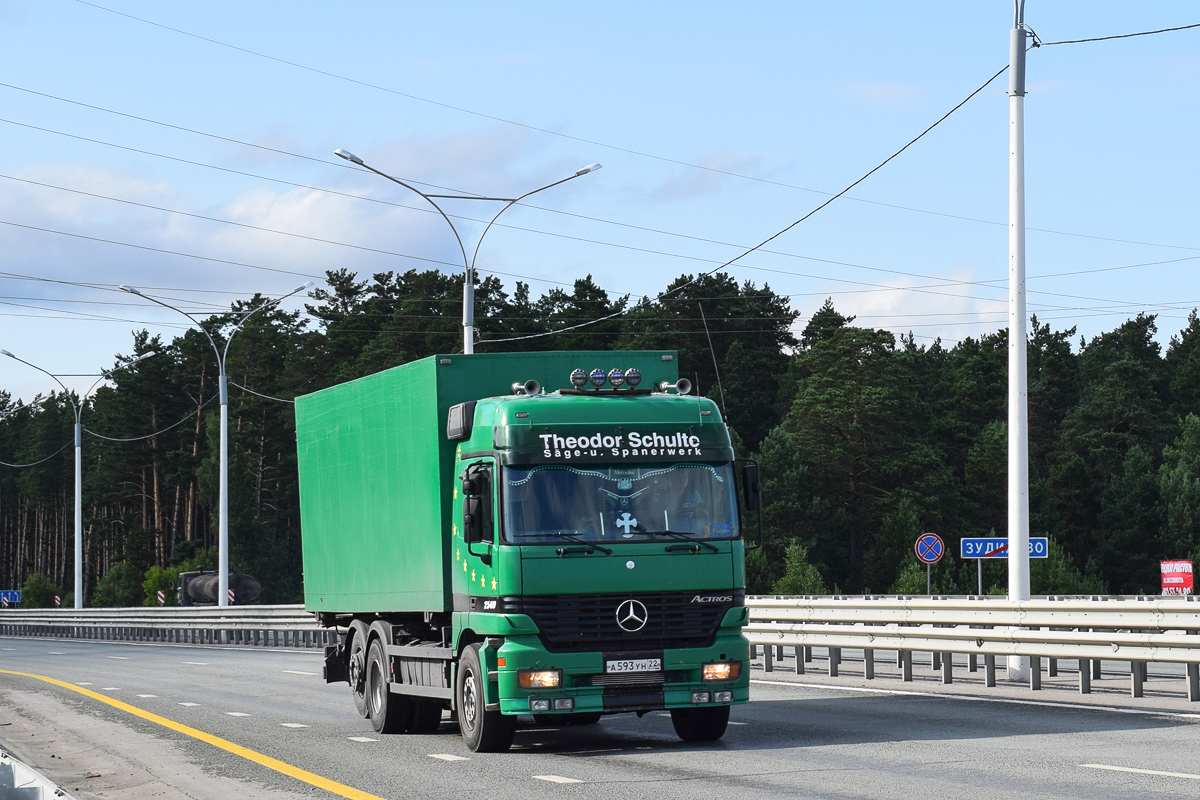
<point x="263" y="626"/>
<point x="1136" y="629"/>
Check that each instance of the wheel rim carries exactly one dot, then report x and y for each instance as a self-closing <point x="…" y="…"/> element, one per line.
<point x="470" y="701"/>
<point x="357" y="672"/>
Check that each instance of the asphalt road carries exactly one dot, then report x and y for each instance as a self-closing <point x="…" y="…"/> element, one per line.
<point x="790" y="741"/>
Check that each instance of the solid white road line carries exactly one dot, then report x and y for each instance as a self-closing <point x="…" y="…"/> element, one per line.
<point x="448" y="757"/>
<point x="975" y="699"/>
<point x="361" y="739"/>
<point x="555" y="779"/>
<point x="1186" y="775"/>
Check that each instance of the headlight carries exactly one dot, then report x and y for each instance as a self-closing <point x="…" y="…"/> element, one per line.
<point x="722" y="671"/>
<point x="540" y="678"/>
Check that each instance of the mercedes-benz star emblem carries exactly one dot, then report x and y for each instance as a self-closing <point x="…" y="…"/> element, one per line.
<point x="632" y="616"/>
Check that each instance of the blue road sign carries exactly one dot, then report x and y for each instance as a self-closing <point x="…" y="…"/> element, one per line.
<point x="930" y="548"/>
<point x="997" y="547"/>
<point x="13" y="596"/>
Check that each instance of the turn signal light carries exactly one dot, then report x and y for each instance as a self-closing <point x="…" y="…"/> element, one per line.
<point x="722" y="671"/>
<point x="540" y="678"/>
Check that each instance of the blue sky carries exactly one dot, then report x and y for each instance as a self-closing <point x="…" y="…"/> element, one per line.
<point x="782" y="102"/>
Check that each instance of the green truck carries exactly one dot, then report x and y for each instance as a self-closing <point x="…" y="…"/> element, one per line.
<point x="547" y="534"/>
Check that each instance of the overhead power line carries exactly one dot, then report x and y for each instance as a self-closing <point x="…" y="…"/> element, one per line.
<point x="1116" y="36"/>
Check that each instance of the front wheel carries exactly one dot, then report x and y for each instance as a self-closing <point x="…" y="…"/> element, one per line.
<point x="700" y="724"/>
<point x="484" y="731"/>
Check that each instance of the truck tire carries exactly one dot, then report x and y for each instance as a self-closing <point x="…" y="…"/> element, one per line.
<point x="356" y="669"/>
<point x="390" y="713"/>
<point x="700" y="724"/>
<point x="426" y="716"/>
<point x="484" y="731"/>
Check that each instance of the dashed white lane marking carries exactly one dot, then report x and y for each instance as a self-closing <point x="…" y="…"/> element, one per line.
<point x="296" y="672"/>
<point x="118" y="658"/>
<point x="292" y="725"/>
<point x="147" y="695"/>
<point x="738" y="723"/>
<point x="195" y="663"/>
<point x="83" y="683"/>
<point x="189" y="705"/>
<point x="110" y="688"/>
<point x="237" y="713"/>
<point x="555" y="779"/>
<point x="1186" y="775"/>
<point x="10" y="649"/>
<point x="55" y="653"/>
<point x="361" y="739"/>
<point x="448" y="757"/>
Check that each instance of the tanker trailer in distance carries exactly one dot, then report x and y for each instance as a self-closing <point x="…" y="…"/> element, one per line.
<point x="556" y="534"/>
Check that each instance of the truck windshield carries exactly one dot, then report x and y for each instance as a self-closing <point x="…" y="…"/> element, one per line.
<point x="554" y="502"/>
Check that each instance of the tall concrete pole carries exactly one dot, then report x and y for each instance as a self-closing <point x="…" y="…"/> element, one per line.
<point x="1018" y="376"/>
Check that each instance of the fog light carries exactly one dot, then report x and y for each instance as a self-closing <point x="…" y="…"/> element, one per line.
<point x="633" y="377"/>
<point x="539" y="705"/>
<point x="616" y="377"/>
<point x="579" y="378"/>
<point x="539" y="678"/>
<point x="722" y="697"/>
<point x="722" y="671"/>
<point x="700" y="697"/>
<point x="598" y="378"/>
<point x="564" y="703"/>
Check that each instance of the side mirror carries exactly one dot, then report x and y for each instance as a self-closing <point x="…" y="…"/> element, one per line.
<point x="751" y="487"/>
<point x="472" y="519"/>
<point x="476" y="517"/>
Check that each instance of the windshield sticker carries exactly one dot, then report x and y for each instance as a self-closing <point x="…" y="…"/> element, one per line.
<point x="627" y="523"/>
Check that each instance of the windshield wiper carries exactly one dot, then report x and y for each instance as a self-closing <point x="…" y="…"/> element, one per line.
<point x="683" y="537"/>
<point x="570" y="537"/>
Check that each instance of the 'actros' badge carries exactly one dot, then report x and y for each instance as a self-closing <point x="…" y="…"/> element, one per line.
<point x="632" y="616"/>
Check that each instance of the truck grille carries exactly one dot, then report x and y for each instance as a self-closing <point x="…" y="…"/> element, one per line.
<point x="575" y="623"/>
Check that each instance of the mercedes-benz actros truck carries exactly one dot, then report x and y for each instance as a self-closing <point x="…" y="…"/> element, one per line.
<point x="558" y="535"/>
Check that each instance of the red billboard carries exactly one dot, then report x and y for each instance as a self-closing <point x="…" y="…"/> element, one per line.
<point x="1176" y="577"/>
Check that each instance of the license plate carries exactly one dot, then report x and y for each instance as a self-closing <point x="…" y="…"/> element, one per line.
<point x="634" y="665"/>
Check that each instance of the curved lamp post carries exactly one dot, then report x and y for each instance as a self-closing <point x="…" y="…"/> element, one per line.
<point x="78" y="409"/>
<point x="468" y="264"/>
<point x="223" y="388"/>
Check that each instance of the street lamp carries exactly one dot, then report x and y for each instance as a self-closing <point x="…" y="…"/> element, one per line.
<point x="223" y="388"/>
<point x="78" y="409"/>
<point x="468" y="264"/>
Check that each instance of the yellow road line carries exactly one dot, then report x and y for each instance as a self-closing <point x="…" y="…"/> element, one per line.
<point x="224" y="744"/>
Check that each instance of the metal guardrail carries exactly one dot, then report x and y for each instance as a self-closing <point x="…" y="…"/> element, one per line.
<point x="264" y="626"/>
<point x="1137" y="629"/>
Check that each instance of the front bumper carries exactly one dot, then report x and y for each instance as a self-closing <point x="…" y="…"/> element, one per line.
<point x="593" y="691"/>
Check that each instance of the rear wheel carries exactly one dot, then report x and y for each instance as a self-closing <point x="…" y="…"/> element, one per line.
<point x="356" y="669"/>
<point x="484" y="731"/>
<point x="700" y="724"/>
<point x="390" y="713"/>
<point x="426" y="716"/>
